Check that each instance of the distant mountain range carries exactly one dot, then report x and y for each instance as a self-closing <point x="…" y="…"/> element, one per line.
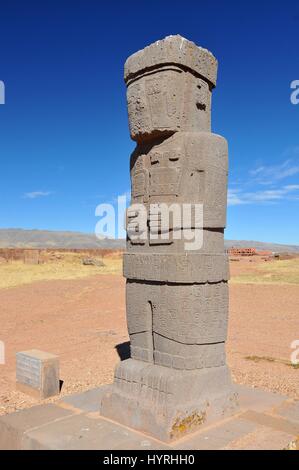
<point x="19" y="238"/>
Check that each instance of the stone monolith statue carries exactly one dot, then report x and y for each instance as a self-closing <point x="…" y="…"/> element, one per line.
<point x="177" y="294"/>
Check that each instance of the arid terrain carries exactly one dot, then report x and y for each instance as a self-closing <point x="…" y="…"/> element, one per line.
<point x="78" y="312"/>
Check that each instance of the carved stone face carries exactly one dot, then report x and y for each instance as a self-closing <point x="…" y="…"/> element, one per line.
<point x="167" y="101"/>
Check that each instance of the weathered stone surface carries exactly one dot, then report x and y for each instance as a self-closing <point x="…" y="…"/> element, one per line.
<point x="174" y="101"/>
<point x="276" y="422"/>
<point x="180" y="268"/>
<point x="87" y="401"/>
<point x="177" y="294"/>
<point x="218" y="437"/>
<point x="177" y="50"/>
<point x="157" y="332"/>
<point x="169" y="88"/>
<point x="80" y="432"/>
<point x="73" y="424"/>
<point x="14" y="426"/>
<point x="262" y="438"/>
<point x="259" y="400"/>
<point x="188" y="167"/>
<point x="289" y="410"/>
<point x="37" y="373"/>
<point x="167" y="402"/>
<point x="212" y="242"/>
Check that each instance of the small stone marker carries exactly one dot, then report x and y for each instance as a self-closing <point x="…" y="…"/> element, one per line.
<point x="37" y="373"/>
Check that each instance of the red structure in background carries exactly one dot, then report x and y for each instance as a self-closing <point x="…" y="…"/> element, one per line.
<point x="239" y="251"/>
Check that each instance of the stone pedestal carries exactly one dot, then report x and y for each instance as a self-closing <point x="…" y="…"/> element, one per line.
<point x="168" y="403"/>
<point x="177" y="271"/>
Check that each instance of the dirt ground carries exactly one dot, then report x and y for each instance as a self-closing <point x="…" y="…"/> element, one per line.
<point x="83" y="321"/>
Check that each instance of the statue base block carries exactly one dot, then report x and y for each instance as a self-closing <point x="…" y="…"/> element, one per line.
<point x="168" y="403"/>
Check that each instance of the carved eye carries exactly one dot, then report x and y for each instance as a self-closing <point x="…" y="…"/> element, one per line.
<point x="155" y="158"/>
<point x="174" y="157"/>
<point x="201" y="106"/>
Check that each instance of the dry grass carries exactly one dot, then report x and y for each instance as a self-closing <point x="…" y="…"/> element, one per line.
<point x="69" y="266"/>
<point x="275" y="272"/>
<point x="17" y="273"/>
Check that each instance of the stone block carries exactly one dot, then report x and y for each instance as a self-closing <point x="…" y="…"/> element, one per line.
<point x="37" y="373"/>
<point x="169" y="87"/>
<point x="14" y="426"/>
<point x="156" y="331"/>
<point x="173" y="49"/>
<point x="185" y="268"/>
<point x="81" y="432"/>
<point x="219" y="436"/>
<point x="289" y="410"/>
<point x="168" y="403"/>
<point x="212" y="242"/>
<point x="188" y="168"/>
<point x="86" y="401"/>
<point x="259" y="400"/>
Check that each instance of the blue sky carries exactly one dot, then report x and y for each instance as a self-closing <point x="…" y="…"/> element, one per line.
<point x="64" y="140"/>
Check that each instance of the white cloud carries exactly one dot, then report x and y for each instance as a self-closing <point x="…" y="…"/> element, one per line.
<point x="252" y="190"/>
<point x="270" y="174"/>
<point x="238" y="197"/>
<point x="36" y="194"/>
<point x="234" y="197"/>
